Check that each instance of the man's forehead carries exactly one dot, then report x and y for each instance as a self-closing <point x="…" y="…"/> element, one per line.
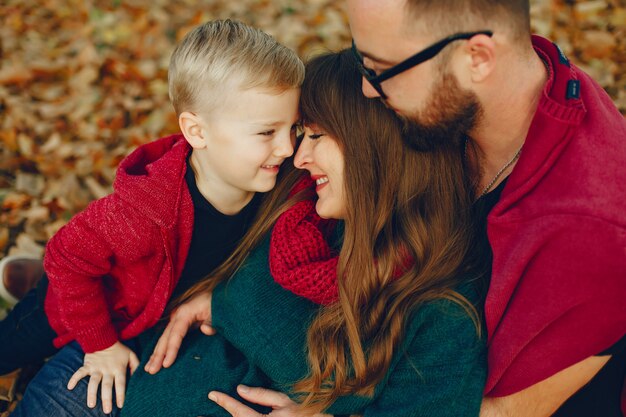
<point x="373" y="5"/>
<point x="378" y="27"/>
<point x="369" y="13"/>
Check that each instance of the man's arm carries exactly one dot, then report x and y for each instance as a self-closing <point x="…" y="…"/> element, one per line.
<point x="545" y="397"/>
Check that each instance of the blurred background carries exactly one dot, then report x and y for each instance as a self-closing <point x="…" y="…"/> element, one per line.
<point x="82" y="83"/>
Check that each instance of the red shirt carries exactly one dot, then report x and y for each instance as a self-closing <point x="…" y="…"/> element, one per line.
<point x="113" y="267"/>
<point x="558" y="234"/>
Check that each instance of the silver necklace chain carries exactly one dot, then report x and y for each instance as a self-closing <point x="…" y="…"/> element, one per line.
<point x="500" y="172"/>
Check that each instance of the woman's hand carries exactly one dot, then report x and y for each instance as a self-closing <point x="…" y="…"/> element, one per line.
<point x="281" y="404"/>
<point x="108" y="367"/>
<point x="194" y="312"/>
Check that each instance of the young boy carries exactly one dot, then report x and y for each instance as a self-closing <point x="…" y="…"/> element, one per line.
<point x="179" y="206"/>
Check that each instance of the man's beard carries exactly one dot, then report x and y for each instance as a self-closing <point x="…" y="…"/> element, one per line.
<point x="448" y="116"/>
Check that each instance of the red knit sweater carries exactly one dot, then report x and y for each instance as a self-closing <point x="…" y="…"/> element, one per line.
<point x="558" y="234"/>
<point x="113" y="267"/>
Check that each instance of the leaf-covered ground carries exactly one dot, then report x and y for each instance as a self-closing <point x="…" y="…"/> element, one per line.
<point x="83" y="82"/>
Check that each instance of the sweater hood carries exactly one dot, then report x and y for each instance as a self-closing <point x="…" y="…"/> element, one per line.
<point x="150" y="178"/>
<point x="560" y="111"/>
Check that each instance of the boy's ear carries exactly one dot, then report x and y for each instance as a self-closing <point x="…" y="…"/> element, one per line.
<point x="193" y="129"/>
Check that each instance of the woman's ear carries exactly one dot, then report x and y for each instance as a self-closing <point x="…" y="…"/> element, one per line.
<point x="192" y="127"/>
<point x="481" y="50"/>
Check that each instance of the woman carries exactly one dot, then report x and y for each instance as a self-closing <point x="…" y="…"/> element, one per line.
<point x="378" y="316"/>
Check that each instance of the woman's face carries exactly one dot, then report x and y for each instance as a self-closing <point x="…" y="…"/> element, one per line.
<point x="319" y="153"/>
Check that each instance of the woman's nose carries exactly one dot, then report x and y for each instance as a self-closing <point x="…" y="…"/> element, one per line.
<point x="303" y="154"/>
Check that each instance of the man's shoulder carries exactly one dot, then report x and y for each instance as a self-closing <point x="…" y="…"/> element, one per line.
<point x="597" y="100"/>
<point x="579" y="175"/>
<point x="603" y="129"/>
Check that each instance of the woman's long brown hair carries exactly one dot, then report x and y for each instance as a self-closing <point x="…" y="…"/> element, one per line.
<point x="400" y="204"/>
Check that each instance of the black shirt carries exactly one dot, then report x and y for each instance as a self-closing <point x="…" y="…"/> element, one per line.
<point x="215" y="235"/>
<point x="601" y="397"/>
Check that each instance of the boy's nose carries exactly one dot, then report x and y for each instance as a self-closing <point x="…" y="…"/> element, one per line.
<point x="284" y="146"/>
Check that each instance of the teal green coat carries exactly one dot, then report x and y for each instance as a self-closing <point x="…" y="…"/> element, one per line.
<point x="439" y="370"/>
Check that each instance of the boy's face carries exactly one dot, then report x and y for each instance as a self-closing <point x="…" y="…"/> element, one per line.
<point x="248" y="139"/>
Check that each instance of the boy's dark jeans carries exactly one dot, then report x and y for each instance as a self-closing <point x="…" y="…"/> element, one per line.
<point x="25" y="334"/>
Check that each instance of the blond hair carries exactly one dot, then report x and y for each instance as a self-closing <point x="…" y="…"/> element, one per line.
<point x="221" y="55"/>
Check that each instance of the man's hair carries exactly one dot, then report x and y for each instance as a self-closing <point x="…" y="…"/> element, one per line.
<point x="445" y="17"/>
<point x="221" y="55"/>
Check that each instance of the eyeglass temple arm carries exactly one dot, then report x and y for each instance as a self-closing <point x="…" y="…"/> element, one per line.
<point x="425" y="55"/>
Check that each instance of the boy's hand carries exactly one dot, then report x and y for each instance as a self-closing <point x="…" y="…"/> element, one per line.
<point x="194" y="312"/>
<point x="108" y="367"/>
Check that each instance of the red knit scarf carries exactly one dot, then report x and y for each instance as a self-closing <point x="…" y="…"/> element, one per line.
<point x="301" y="261"/>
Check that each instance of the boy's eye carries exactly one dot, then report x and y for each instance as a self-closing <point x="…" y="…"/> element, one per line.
<point x="267" y="132"/>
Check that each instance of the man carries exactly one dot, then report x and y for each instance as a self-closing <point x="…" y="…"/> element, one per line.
<point x="546" y="148"/>
<point x="555" y="309"/>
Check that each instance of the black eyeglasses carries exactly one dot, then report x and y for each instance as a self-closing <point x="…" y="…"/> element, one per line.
<point x="422" y="56"/>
